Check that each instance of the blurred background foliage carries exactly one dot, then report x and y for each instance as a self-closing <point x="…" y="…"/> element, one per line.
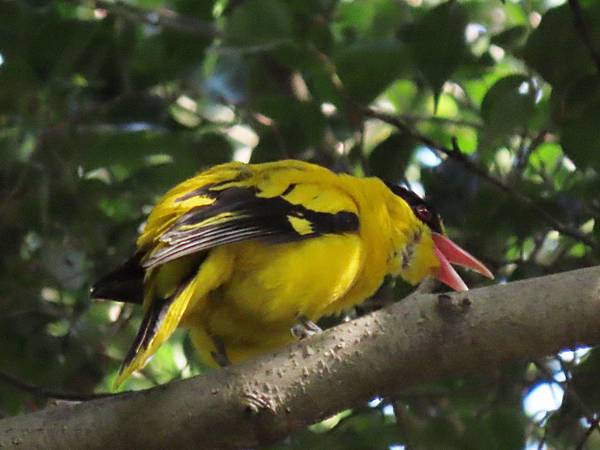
<point x="490" y="108"/>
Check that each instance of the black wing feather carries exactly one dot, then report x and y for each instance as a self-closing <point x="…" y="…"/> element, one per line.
<point x="253" y="217"/>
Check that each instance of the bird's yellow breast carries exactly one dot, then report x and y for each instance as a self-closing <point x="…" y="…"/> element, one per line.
<point x="272" y="286"/>
<point x="282" y="282"/>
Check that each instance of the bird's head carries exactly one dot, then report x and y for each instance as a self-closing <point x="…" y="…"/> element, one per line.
<point x="427" y="251"/>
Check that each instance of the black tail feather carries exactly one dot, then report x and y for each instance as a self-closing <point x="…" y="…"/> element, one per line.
<point x="125" y="283"/>
<point x="154" y="316"/>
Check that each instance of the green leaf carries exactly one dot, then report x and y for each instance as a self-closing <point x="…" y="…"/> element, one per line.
<point x="259" y="22"/>
<point x="404" y="94"/>
<point x="208" y="149"/>
<point x="501" y="429"/>
<point x="546" y="157"/>
<point x="367" y="68"/>
<point x="128" y="152"/>
<point x="355" y="15"/>
<point x="127" y="148"/>
<point x="556" y="49"/>
<point x="577" y="112"/>
<point x="510" y="38"/>
<point x="268" y="148"/>
<point x="37" y="3"/>
<point x="507" y="106"/>
<point x="388" y="159"/>
<point x="136" y="108"/>
<point x="299" y="124"/>
<point x="200" y="10"/>
<point x="437" y="43"/>
<point x="585" y="379"/>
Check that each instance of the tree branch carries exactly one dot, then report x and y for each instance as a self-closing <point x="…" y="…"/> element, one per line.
<point x="584" y="32"/>
<point x="441" y="120"/>
<point x="423" y="338"/>
<point x="481" y="172"/>
<point x="572" y="392"/>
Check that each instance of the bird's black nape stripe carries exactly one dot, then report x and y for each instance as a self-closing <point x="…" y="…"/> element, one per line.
<point x="125" y="283"/>
<point x="422" y="209"/>
<point x="253" y="217"/>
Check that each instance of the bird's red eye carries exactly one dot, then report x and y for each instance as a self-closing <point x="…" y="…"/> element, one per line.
<point x="423" y="213"/>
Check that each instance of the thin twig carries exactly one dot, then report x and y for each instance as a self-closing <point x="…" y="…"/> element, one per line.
<point x="526" y="149"/>
<point x="573" y="394"/>
<point x="458" y="156"/>
<point x="542" y="441"/>
<point x="160" y="17"/>
<point x="588" y="433"/>
<point x="442" y="120"/>
<point x="591" y="416"/>
<point x="43" y="392"/>
<point x="584" y="32"/>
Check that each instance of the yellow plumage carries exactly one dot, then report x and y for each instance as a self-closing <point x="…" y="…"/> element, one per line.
<point x="241" y="253"/>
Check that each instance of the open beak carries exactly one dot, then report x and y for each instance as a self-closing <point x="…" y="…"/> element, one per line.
<point x="449" y="253"/>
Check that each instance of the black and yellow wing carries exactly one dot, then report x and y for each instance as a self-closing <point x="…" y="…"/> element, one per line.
<point x="232" y="203"/>
<point x="240" y="214"/>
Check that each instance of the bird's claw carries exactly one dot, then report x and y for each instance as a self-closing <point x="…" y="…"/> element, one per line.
<point x="305" y="328"/>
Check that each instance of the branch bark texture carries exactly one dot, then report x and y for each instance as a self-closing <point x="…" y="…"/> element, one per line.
<point x="423" y="338"/>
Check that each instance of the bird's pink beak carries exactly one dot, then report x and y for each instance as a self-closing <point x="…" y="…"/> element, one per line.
<point x="449" y="253"/>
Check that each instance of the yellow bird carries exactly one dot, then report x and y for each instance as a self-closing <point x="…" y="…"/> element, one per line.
<point x="249" y="256"/>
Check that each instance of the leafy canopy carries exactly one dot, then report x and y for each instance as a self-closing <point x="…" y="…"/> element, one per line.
<point x="491" y="108"/>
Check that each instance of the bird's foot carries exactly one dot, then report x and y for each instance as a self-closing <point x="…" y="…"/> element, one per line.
<point x="304" y="328"/>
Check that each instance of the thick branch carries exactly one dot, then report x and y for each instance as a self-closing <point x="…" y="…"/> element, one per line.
<point x="422" y="338"/>
<point x="584" y="32"/>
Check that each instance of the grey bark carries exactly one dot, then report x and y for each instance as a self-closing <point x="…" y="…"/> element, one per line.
<point x="423" y="338"/>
